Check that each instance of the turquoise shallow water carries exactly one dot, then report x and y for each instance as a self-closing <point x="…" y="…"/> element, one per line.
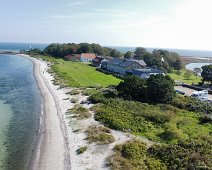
<point x="19" y="112"/>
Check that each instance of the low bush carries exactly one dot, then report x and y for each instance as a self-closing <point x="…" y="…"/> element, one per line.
<point x="192" y="104"/>
<point x="99" y="134"/>
<point x="73" y="100"/>
<point x="185" y="154"/>
<point x="133" y="155"/>
<point x="89" y="92"/>
<point x="74" y="92"/>
<point x="205" y="119"/>
<point x="81" y="150"/>
<point x="80" y="112"/>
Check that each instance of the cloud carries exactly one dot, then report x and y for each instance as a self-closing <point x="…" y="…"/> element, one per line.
<point x="76" y="4"/>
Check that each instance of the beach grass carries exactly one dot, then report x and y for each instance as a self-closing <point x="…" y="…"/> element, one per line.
<point x="192" y="80"/>
<point x="99" y="134"/>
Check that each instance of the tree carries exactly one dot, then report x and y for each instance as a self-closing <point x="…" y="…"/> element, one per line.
<point x="115" y="53"/>
<point x="106" y="51"/>
<point x="207" y="73"/>
<point x="178" y="72"/>
<point x="160" y="88"/>
<point x="178" y="64"/>
<point x="197" y="71"/>
<point x="85" y="48"/>
<point x="132" y="88"/>
<point x="97" y="49"/>
<point x="128" y="55"/>
<point x="139" y="52"/>
<point x="188" y="74"/>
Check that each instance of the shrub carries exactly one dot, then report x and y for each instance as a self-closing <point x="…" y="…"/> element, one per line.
<point x="205" y="119"/>
<point x="73" y="100"/>
<point x="99" y="134"/>
<point x="74" y="92"/>
<point x="134" y="150"/>
<point x="133" y="155"/>
<point x="192" y="104"/>
<point x="81" y="150"/>
<point x="184" y="154"/>
<point x="80" y="112"/>
<point x="89" y="92"/>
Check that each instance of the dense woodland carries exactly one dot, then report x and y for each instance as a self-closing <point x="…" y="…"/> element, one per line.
<point x="153" y="59"/>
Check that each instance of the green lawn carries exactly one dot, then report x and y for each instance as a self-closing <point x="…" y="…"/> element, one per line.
<point x="77" y="74"/>
<point x="192" y="79"/>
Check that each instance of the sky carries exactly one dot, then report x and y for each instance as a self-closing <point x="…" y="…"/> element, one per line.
<point x="183" y="24"/>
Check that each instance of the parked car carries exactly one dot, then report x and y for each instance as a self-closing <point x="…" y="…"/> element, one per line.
<point x="180" y="92"/>
<point x="202" y="95"/>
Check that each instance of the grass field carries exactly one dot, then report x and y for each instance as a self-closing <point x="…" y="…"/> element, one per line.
<point x="192" y="79"/>
<point x="77" y="74"/>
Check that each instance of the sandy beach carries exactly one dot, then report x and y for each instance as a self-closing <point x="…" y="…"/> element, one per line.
<point x="60" y="136"/>
<point x="50" y="151"/>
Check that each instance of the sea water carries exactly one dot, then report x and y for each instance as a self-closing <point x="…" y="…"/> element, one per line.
<point x="20" y="107"/>
<point x="191" y="66"/>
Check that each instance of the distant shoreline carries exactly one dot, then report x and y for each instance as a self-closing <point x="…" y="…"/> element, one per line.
<point x="9" y="52"/>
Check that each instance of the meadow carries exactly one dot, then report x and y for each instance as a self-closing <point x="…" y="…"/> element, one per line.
<point x="78" y="74"/>
<point x="192" y="80"/>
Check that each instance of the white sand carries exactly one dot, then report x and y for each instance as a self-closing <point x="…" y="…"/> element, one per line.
<point x="57" y="146"/>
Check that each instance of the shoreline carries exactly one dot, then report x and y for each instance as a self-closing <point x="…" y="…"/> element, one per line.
<point x="51" y="148"/>
<point x="70" y="132"/>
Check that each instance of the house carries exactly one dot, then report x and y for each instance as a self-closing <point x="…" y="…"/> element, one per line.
<point x="87" y="57"/>
<point x="97" y="61"/>
<point x="73" y="57"/>
<point x="104" y="63"/>
<point x="122" y="66"/>
<point x="146" y="72"/>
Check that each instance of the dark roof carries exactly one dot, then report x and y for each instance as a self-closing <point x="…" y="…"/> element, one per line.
<point x="98" y="60"/>
<point x="127" y="63"/>
<point x="146" y="70"/>
<point x="141" y="62"/>
<point x="105" y="60"/>
<point x="116" y="61"/>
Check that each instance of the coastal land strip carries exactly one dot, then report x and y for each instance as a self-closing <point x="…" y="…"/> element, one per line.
<point x="61" y="136"/>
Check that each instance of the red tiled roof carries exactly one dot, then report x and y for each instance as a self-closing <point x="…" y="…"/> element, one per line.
<point x="73" y="57"/>
<point x="88" y="55"/>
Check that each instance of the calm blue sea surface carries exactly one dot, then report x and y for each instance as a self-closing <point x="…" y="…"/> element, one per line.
<point x="26" y="46"/>
<point x="181" y="52"/>
<point x="191" y="66"/>
<point x="16" y="47"/>
<point x="20" y="107"/>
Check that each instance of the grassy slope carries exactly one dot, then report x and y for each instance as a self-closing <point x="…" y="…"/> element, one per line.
<point x="193" y="78"/>
<point x="82" y="75"/>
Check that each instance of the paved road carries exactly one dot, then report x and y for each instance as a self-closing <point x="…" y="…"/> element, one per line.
<point x="188" y="91"/>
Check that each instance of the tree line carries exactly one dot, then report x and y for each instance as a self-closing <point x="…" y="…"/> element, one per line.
<point x="61" y="50"/>
<point x="158" y="58"/>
